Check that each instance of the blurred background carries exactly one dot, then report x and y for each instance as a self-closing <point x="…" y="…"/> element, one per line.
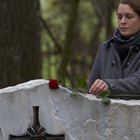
<point x="52" y="39"/>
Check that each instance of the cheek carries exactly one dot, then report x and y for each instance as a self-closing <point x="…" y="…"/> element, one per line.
<point x="139" y="26"/>
<point x="136" y="26"/>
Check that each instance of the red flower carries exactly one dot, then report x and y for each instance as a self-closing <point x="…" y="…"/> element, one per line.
<point x="53" y="84"/>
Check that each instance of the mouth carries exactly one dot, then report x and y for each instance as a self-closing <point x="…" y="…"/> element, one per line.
<point x="123" y="29"/>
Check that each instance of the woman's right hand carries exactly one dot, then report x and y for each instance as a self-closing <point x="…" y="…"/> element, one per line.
<point x="98" y="86"/>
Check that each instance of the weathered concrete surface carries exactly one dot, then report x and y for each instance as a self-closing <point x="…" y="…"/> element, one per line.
<point x="80" y="117"/>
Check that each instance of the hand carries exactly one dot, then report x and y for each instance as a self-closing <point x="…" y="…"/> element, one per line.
<point x="98" y="87"/>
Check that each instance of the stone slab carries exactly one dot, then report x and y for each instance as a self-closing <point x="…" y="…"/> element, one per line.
<point x="80" y="117"/>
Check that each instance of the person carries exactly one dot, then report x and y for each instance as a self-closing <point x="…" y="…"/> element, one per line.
<point x="117" y="64"/>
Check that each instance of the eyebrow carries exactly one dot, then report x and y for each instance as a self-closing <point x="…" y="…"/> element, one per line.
<point x="127" y="14"/>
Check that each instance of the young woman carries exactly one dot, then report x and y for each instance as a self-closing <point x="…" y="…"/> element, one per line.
<point x="117" y="64"/>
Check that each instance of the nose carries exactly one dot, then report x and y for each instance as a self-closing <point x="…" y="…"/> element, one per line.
<point x="123" y="20"/>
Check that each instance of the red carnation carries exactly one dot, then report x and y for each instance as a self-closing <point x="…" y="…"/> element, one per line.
<point x="53" y="84"/>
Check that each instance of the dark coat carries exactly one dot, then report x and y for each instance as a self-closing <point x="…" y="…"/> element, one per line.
<point x="121" y="77"/>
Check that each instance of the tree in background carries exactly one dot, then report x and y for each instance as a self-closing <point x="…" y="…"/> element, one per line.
<point x="20" y="51"/>
<point x="68" y="41"/>
<point x="104" y="11"/>
<point x="75" y="28"/>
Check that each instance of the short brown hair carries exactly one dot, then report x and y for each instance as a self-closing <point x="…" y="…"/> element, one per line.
<point x="134" y="4"/>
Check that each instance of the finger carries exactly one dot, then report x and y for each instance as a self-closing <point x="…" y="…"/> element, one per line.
<point x="96" y="87"/>
<point x="100" y="87"/>
<point x="99" y="84"/>
<point x="91" y="90"/>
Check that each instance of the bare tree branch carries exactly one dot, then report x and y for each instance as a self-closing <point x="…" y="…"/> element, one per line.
<point x="46" y="27"/>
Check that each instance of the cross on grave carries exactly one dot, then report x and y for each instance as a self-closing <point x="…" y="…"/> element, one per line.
<point x="36" y="131"/>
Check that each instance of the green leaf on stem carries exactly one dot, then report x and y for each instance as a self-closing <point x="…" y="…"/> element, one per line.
<point x="106" y="100"/>
<point x="104" y="96"/>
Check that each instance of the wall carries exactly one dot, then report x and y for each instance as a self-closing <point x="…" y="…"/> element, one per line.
<point x="80" y="117"/>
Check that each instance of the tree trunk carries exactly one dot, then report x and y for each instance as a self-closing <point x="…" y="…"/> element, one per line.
<point x="70" y="33"/>
<point x="104" y="9"/>
<point x="20" y="51"/>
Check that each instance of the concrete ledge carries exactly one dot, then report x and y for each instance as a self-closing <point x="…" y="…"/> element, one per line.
<point x="80" y="117"/>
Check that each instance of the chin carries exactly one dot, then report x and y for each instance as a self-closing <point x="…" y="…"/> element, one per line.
<point x="126" y="35"/>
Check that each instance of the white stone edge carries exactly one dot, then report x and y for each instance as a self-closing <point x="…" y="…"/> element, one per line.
<point x="34" y="83"/>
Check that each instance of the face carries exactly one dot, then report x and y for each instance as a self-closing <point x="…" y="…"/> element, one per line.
<point x="128" y="20"/>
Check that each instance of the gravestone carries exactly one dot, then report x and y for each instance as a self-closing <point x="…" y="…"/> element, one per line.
<point x="36" y="132"/>
<point x="62" y="113"/>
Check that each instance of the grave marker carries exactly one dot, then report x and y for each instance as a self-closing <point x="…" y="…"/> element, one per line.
<point x="36" y="131"/>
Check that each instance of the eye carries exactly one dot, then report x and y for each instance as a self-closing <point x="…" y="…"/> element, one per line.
<point x="119" y="16"/>
<point x="129" y="16"/>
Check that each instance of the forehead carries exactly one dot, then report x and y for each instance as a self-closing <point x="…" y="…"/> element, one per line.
<point x="125" y="9"/>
